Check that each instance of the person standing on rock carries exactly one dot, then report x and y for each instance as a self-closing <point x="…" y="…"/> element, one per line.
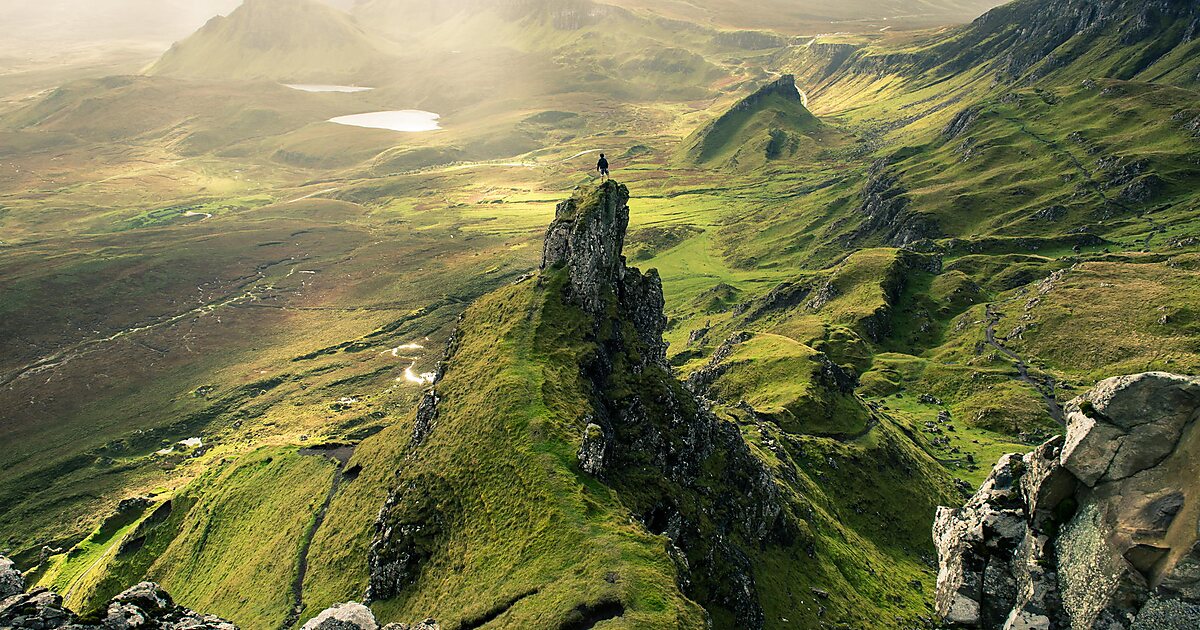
<point x="602" y="166"/>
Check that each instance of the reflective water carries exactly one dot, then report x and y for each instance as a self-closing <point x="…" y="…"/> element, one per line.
<point x="346" y="89"/>
<point x="409" y="120"/>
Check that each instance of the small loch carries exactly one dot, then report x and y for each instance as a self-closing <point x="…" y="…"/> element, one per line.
<point x="406" y="120"/>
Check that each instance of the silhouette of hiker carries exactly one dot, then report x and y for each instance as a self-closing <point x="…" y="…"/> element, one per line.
<point x="602" y="166"/>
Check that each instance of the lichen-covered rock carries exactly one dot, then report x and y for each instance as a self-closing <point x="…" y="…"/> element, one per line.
<point x="1097" y="530"/>
<point x="39" y="609"/>
<point x="347" y="616"/>
<point x="427" y="412"/>
<point x="11" y="581"/>
<point x="591" y="451"/>
<point x="143" y="606"/>
<point x="1128" y="424"/>
<point x="587" y="236"/>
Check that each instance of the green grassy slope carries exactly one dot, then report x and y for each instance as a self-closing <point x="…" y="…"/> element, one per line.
<point x="512" y="524"/>
<point x="770" y="124"/>
<point x="969" y="245"/>
<point x="494" y="507"/>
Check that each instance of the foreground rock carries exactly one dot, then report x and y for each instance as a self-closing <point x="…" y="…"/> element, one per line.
<point x="1097" y="530"/>
<point x="148" y="606"/>
<point x="11" y="582"/>
<point x="145" y="605"/>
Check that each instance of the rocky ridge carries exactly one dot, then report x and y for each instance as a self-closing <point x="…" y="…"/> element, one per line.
<point x="661" y="426"/>
<point x="1100" y="529"/>
<point x="146" y="605"/>
<point x="682" y="473"/>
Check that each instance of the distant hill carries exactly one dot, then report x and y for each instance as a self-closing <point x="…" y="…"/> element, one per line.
<point x="817" y="16"/>
<point x="1039" y="41"/>
<point x="770" y="124"/>
<point x="74" y="23"/>
<point x="285" y="40"/>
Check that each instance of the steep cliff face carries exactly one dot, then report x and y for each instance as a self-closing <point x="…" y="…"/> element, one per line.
<point x="1033" y="38"/>
<point x="1099" y="530"/>
<point x="1034" y="41"/>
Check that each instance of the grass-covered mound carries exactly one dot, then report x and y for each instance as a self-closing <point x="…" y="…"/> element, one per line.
<point x="289" y="40"/>
<point x="507" y="525"/>
<point x="770" y="124"/>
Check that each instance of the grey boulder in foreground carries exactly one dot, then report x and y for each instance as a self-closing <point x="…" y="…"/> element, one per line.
<point x="1097" y="530"/>
<point x="148" y="606"/>
<point x="144" y="605"/>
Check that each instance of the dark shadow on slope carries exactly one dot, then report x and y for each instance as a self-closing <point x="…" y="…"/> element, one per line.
<point x="494" y="613"/>
<point x="586" y="616"/>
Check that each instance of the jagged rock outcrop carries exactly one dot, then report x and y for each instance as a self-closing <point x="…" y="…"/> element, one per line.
<point x="587" y="237"/>
<point x="659" y="425"/>
<point x="592" y="450"/>
<point x="144" y="605"/>
<point x="1100" y="529"/>
<point x="11" y="581"/>
<point x="886" y="212"/>
<point x="681" y="472"/>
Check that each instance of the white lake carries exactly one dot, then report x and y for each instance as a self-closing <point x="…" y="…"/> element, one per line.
<point x="409" y="120"/>
<point x="345" y="89"/>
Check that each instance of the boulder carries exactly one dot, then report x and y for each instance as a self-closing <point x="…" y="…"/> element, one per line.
<point x="591" y="451"/>
<point x="1128" y="424"/>
<point x="1095" y="530"/>
<point x="11" y="580"/>
<point x="39" y="609"/>
<point x="143" y="606"/>
<point x="347" y="616"/>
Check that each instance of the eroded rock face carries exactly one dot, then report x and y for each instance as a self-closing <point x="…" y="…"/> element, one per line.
<point x="145" y="605"/>
<point x="587" y="236"/>
<point x="1097" y="530"/>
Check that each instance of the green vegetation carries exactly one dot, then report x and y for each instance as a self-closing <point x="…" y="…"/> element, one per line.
<point x="919" y="263"/>
<point x="519" y="529"/>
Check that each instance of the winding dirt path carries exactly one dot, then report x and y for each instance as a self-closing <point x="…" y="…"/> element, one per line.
<point x="340" y="456"/>
<point x="243" y="291"/>
<point x="1043" y="385"/>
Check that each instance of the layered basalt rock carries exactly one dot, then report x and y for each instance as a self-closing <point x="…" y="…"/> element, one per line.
<point x="1100" y="529"/>
<point x="587" y="237"/>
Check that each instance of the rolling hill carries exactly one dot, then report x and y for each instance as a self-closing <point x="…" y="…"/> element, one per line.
<point x="770" y="124"/>
<point x="285" y="40"/>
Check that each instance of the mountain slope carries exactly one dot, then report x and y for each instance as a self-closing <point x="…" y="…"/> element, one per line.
<point x="559" y="471"/>
<point x="770" y="124"/>
<point x="284" y="40"/>
<point x="803" y="16"/>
